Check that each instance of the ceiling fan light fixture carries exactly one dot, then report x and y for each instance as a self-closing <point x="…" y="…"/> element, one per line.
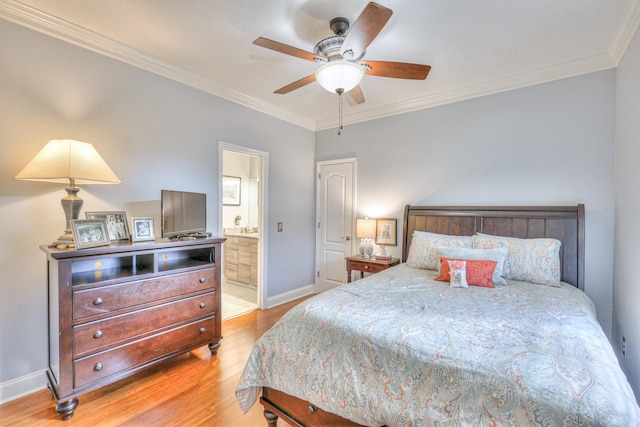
<point x="339" y="76"/>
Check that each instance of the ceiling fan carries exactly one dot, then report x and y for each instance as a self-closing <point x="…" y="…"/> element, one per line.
<point x="341" y="56"/>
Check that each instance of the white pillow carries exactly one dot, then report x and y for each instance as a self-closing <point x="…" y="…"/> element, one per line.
<point x="498" y="255"/>
<point x="458" y="274"/>
<point x="423" y="252"/>
<point x="528" y="260"/>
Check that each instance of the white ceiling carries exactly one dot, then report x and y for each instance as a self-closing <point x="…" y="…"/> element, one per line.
<point x="474" y="47"/>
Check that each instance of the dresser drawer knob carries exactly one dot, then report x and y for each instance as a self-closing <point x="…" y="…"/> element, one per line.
<point x="202" y="305"/>
<point x="313" y="409"/>
<point x="366" y="267"/>
<point x="97" y="367"/>
<point x="98" y="334"/>
<point x="202" y="330"/>
<point x="97" y="301"/>
<point x="202" y="280"/>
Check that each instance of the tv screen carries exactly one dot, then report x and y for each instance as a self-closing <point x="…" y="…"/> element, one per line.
<point x="183" y="213"/>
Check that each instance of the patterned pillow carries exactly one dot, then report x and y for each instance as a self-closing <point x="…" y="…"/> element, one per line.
<point x="479" y="272"/>
<point x="529" y="260"/>
<point x="423" y="252"/>
<point x="499" y="255"/>
<point x="458" y="273"/>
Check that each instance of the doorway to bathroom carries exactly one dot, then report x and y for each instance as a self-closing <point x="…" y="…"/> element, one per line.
<point x="242" y="193"/>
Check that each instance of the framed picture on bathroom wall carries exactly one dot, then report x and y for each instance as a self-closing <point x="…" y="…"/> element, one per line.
<point x="231" y="190"/>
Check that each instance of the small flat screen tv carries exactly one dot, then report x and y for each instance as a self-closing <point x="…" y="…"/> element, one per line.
<point x="183" y="213"/>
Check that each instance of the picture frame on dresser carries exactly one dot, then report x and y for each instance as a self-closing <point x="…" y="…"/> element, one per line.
<point x="117" y="224"/>
<point x="386" y="232"/>
<point x="231" y="190"/>
<point x="142" y="229"/>
<point x="89" y="233"/>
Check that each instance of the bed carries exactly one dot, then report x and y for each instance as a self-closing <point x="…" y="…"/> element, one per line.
<point x="400" y="348"/>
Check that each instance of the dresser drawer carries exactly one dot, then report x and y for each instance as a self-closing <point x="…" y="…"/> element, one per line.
<point x="101" y="300"/>
<point x="93" y="336"/>
<point x="366" y="267"/>
<point x="101" y="365"/>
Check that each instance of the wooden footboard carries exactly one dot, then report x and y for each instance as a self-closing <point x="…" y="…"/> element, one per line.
<point x="297" y="412"/>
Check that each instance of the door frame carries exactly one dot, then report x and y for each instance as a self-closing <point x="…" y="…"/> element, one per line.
<point x="354" y="171"/>
<point x="263" y="188"/>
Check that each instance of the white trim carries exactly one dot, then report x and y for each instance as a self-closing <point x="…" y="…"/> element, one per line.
<point x="566" y="70"/>
<point x="290" y="296"/>
<point x="263" y="283"/>
<point x="23" y="386"/>
<point x="626" y="31"/>
<point x="37" y="20"/>
<point x="50" y="25"/>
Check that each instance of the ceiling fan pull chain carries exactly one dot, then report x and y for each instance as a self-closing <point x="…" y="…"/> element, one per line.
<point x="340" y="103"/>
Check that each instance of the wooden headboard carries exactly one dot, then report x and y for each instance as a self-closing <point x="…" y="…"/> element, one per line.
<point x="565" y="223"/>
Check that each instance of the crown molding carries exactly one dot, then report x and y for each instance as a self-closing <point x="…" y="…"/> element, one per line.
<point x="628" y="28"/>
<point x="545" y="75"/>
<point x="39" y="21"/>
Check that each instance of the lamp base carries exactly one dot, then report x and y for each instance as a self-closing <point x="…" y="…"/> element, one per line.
<point x="71" y="205"/>
<point x="63" y="243"/>
<point x="366" y="248"/>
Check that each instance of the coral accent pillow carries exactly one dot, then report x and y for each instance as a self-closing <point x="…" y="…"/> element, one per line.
<point x="479" y="272"/>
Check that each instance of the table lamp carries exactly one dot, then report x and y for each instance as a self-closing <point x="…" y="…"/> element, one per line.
<point x="75" y="162"/>
<point x="366" y="230"/>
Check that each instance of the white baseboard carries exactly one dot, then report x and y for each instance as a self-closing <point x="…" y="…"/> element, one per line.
<point x="290" y="296"/>
<point x="22" y="386"/>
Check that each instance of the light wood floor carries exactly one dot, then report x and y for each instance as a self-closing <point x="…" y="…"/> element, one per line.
<point x="193" y="389"/>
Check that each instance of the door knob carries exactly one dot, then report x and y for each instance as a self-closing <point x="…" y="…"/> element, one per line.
<point x="347" y="238"/>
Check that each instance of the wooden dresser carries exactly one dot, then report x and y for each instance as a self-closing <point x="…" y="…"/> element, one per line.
<point x="114" y="310"/>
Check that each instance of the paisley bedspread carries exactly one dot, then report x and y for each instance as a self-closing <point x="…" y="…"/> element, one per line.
<point x="400" y="349"/>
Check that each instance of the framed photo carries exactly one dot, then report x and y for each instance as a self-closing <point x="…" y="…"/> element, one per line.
<point x="231" y="190"/>
<point x="89" y="233"/>
<point x="142" y="229"/>
<point x="386" y="232"/>
<point x="117" y="225"/>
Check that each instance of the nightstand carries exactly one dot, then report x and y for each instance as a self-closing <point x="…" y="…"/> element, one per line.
<point x="371" y="265"/>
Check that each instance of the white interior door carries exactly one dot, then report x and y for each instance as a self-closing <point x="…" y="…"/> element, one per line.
<point x="335" y="219"/>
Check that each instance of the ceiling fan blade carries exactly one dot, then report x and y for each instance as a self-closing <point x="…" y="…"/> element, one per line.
<point x="397" y="70"/>
<point x="286" y="49"/>
<point x="296" y="85"/>
<point x="355" y="96"/>
<point x="370" y="22"/>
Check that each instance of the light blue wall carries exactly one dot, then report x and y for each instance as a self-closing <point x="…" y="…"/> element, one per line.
<point x="551" y="144"/>
<point x="626" y="290"/>
<point x="155" y="134"/>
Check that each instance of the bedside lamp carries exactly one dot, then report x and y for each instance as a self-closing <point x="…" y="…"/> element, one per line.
<point x="75" y="162"/>
<point x="366" y="230"/>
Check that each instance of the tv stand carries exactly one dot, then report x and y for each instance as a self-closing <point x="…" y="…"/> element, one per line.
<point x="115" y="310"/>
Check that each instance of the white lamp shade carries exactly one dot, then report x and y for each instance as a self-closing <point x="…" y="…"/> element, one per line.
<point x="64" y="159"/>
<point x="365" y="228"/>
<point x="339" y="75"/>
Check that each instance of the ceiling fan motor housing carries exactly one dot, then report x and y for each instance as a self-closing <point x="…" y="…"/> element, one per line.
<point x="339" y="26"/>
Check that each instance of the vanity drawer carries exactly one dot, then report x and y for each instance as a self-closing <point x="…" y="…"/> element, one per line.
<point x="93" y="336"/>
<point x="137" y="353"/>
<point x="91" y="302"/>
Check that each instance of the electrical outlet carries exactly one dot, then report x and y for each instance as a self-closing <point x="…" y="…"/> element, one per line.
<point x="624" y="347"/>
